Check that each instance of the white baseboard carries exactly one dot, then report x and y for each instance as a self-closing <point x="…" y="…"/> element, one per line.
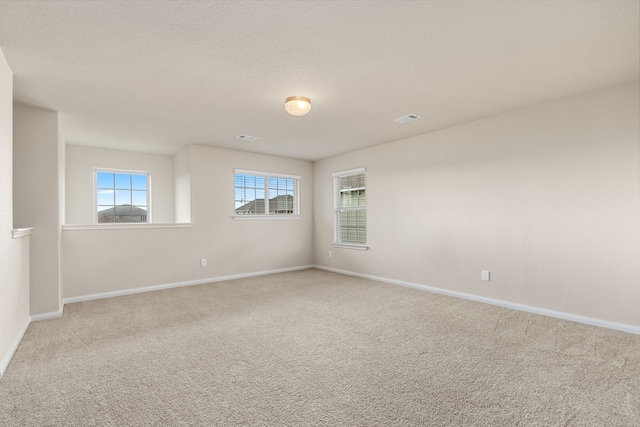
<point x="16" y="342"/>
<point x="35" y="318"/>
<point x="90" y="297"/>
<point x="623" y="327"/>
<point x="46" y="316"/>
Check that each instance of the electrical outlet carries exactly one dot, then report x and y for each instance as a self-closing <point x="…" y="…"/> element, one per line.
<point x="485" y="275"/>
<point x="203" y="262"/>
<point x="330" y="254"/>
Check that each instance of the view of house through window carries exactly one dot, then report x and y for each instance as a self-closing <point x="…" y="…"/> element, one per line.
<point x="350" y="218"/>
<point x="122" y="197"/>
<point x="258" y="193"/>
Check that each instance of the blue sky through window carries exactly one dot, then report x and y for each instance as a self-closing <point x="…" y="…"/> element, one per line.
<point x="116" y="190"/>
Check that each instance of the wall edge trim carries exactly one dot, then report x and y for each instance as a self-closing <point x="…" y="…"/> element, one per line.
<point x="592" y="321"/>
<point x="82" y="298"/>
<point x="46" y="316"/>
<point x="14" y="346"/>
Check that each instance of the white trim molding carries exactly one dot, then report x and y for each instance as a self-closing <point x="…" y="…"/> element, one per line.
<point x="259" y="217"/>
<point x="21" y="232"/>
<point x="12" y="350"/>
<point x="616" y="326"/>
<point x="349" y="172"/>
<point x="270" y="174"/>
<point x="81" y="298"/>
<point x="46" y="316"/>
<point x="350" y="246"/>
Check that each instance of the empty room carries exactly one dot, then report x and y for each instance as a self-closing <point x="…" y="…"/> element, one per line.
<point x="320" y="213"/>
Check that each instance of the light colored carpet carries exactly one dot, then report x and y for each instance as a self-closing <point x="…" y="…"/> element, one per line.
<point x="313" y="348"/>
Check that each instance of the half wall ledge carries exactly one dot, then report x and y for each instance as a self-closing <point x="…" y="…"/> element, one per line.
<point x="21" y="232"/>
<point x="123" y="226"/>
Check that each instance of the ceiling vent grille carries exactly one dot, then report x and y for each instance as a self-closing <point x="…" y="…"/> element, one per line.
<point x="247" y="137"/>
<point x="407" y="118"/>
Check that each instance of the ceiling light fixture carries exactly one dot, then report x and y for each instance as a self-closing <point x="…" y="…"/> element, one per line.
<point x="297" y="105"/>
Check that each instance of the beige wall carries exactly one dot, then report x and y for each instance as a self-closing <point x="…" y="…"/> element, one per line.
<point x="547" y="198"/>
<point x="14" y="253"/>
<point x="182" y="180"/>
<point x="37" y="199"/>
<point x="61" y="203"/>
<point x="80" y="164"/>
<point x="108" y="260"/>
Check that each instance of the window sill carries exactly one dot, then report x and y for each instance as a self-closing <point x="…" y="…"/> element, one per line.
<point x="353" y="246"/>
<point x="263" y="217"/>
<point x="122" y="226"/>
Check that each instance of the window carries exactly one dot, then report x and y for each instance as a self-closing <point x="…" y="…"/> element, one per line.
<point x="350" y="216"/>
<point x="122" y="196"/>
<point x="260" y="195"/>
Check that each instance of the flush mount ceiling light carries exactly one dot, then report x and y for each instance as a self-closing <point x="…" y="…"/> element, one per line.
<point x="297" y="105"/>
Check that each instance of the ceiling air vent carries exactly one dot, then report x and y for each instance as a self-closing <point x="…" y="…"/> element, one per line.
<point x="247" y="137"/>
<point x="407" y="118"/>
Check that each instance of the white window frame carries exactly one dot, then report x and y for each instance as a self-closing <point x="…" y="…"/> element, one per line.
<point x="267" y="215"/>
<point x="121" y="171"/>
<point x="337" y="209"/>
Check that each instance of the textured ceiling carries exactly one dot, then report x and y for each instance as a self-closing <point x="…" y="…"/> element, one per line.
<point x="151" y="75"/>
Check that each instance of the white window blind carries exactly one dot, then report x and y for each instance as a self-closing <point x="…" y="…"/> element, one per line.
<point x="350" y="208"/>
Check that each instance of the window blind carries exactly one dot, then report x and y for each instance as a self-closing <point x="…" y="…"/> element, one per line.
<point x="350" y="207"/>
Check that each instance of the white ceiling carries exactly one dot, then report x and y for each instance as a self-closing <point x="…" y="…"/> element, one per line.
<point x="152" y="75"/>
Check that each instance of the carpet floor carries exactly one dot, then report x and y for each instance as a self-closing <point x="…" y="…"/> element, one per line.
<point x="314" y="348"/>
